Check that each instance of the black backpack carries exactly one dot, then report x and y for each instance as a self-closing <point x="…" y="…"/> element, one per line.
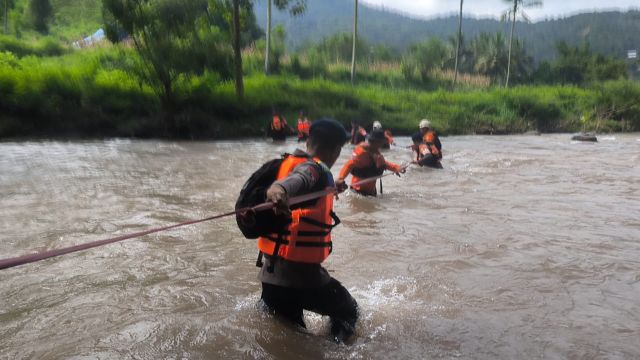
<point x="254" y="192"/>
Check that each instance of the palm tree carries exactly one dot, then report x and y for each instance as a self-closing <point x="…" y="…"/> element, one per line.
<point x="490" y="56"/>
<point x="455" y="76"/>
<point x="355" y="40"/>
<point x="512" y="13"/>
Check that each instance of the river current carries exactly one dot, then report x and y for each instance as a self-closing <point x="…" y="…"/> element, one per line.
<point x="521" y="247"/>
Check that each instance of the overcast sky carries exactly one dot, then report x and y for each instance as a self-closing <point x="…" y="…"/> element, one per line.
<point x="489" y="8"/>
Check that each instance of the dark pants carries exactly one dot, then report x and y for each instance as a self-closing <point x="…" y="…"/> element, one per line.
<point x="279" y="136"/>
<point x="430" y="161"/>
<point x="332" y="300"/>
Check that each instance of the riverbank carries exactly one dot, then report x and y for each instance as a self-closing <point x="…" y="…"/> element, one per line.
<point x="91" y="96"/>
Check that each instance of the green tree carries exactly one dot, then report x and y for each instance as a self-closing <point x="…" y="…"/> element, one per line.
<point x="279" y="46"/>
<point x="6" y="6"/>
<point x="512" y="14"/>
<point x="40" y="12"/>
<point x="423" y="58"/>
<point x="578" y="65"/>
<point x="296" y="7"/>
<point x="490" y="55"/>
<point x="491" y="58"/>
<point x="338" y="48"/>
<point x="172" y="39"/>
<point x="238" y="18"/>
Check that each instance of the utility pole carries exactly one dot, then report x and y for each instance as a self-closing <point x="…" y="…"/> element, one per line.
<point x="513" y="25"/>
<point x="455" y="75"/>
<point x="355" y="40"/>
<point x="267" y="52"/>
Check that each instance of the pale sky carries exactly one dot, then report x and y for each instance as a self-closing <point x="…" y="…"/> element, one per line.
<point x="493" y="8"/>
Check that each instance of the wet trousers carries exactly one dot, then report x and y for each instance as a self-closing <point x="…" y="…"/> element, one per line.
<point x="332" y="300"/>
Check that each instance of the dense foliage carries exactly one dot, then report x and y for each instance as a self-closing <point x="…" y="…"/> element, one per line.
<point x="171" y="73"/>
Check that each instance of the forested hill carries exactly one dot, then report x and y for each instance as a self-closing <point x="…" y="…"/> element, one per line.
<point x="609" y="33"/>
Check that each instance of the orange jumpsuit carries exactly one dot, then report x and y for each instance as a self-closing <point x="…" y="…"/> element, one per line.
<point x="366" y="164"/>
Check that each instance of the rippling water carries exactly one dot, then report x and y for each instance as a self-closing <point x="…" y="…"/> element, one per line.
<point x="522" y="247"/>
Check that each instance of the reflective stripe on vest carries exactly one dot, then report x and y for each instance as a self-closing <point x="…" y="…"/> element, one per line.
<point x="307" y="239"/>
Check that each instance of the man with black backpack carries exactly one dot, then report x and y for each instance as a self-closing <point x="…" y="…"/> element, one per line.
<point x="292" y="276"/>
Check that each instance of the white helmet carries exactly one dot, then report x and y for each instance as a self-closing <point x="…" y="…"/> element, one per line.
<point x="377" y="125"/>
<point x="425" y="124"/>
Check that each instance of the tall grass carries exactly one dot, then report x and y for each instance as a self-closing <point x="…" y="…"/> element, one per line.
<point x="89" y="93"/>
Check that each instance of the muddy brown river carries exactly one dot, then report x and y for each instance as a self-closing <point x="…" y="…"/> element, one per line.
<point x="522" y="247"/>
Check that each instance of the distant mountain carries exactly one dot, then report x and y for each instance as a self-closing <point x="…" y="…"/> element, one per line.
<point x="609" y="33"/>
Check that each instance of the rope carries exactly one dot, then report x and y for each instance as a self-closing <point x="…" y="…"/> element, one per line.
<point x="31" y="258"/>
<point x="375" y="178"/>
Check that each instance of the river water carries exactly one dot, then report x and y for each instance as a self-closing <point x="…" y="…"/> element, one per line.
<point x="522" y="247"/>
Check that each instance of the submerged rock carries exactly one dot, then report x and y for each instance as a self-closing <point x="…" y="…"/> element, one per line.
<point x="585" y="137"/>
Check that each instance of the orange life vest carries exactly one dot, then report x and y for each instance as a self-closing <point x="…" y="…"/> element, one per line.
<point x="306" y="127"/>
<point x="307" y="239"/>
<point x="371" y="170"/>
<point x="303" y="127"/>
<point x="430" y="140"/>
<point x="276" y="123"/>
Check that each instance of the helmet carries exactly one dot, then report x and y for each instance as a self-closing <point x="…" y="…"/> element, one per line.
<point x="377" y="125"/>
<point x="425" y="124"/>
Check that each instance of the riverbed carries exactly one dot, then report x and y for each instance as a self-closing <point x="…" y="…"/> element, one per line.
<point x="521" y="247"/>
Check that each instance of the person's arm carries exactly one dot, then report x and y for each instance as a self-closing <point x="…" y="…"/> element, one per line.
<point x="301" y="181"/>
<point x="346" y="170"/>
<point x="393" y="167"/>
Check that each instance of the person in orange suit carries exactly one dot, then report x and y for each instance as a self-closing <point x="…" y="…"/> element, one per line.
<point x="367" y="162"/>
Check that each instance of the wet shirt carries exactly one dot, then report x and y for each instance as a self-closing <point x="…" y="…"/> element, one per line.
<point x="305" y="178"/>
<point x="362" y="158"/>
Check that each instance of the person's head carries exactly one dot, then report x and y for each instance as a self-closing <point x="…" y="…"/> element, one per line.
<point x="376" y="139"/>
<point x="425" y="125"/>
<point x="326" y="138"/>
<point x="377" y="125"/>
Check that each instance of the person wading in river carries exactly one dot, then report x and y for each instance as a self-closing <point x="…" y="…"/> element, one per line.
<point x="377" y="125"/>
<point x="278" y="128"/>
<point x="303" y="127"/>
<point x="358" y="133"/>
<point x="427" y="146"/>
<point x="367" y="162"/>
<point x="294" y="280"/>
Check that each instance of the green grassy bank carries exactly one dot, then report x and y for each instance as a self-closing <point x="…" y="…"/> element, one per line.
<point x="87" y="94"/>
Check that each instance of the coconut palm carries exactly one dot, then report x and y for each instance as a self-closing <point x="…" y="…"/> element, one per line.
<point x="512" y="14"/>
